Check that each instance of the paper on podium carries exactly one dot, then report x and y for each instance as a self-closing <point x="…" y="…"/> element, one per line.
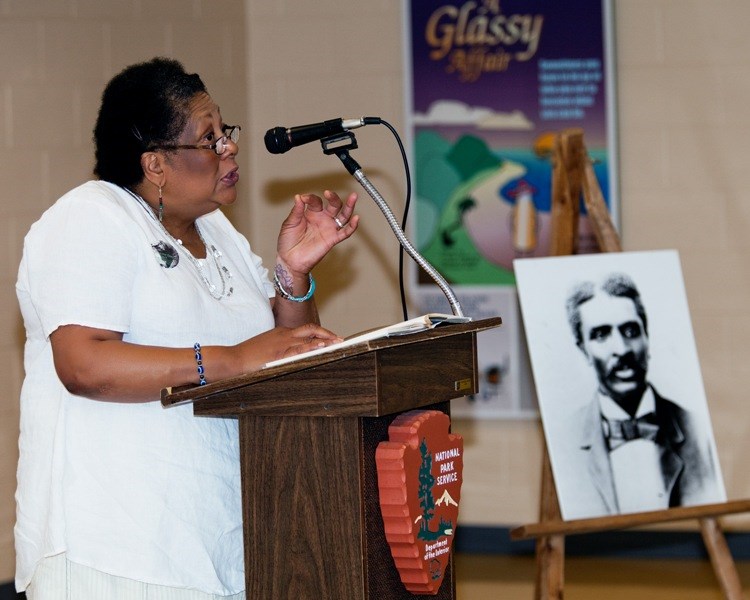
<point x="414" y="325"/>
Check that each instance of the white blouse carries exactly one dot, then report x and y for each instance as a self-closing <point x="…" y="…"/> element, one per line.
<point x="134" y="490"/>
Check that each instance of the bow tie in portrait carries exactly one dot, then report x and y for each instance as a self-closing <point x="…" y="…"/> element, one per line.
<point x="619" y="431"/>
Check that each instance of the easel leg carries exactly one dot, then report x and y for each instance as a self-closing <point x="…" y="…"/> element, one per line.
<point x="550" y="549"/>
<point x="550" y="567"/>
<point x="721" y="559"/>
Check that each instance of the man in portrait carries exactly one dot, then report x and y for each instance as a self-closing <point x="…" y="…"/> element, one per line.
<point x="629" y="449"/>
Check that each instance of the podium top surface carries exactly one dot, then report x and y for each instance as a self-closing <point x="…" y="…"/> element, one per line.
<point x="222" y="388"/>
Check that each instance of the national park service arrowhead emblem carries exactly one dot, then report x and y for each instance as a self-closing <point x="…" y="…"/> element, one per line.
<point x="419" y="480"/>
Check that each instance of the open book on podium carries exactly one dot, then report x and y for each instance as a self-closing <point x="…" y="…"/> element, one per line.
<point x="415" y="325"/>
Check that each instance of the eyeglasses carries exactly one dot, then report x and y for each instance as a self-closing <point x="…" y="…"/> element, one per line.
<point x="231" y="132"/>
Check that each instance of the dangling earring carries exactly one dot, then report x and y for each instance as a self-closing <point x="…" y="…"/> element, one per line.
<point x="161" y="206"/>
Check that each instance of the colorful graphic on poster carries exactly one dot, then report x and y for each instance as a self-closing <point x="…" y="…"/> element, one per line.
<point x="490" y="85"/>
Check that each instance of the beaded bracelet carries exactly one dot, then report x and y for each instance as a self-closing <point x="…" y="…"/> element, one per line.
<point x="199" y="361"/>
<point x="286" y="295"/>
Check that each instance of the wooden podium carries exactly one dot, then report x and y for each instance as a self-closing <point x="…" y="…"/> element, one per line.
<point x="308" y="434"/>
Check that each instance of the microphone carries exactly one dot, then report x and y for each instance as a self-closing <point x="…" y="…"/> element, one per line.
<point x="280" y="139"/>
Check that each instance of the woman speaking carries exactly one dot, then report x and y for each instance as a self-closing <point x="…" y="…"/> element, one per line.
<point x="128" y="284"/>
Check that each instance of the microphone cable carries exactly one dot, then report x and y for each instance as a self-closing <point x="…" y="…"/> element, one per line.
<point x="407" y="176"/>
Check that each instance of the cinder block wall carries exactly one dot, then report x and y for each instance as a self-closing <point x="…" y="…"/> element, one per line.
<point x="55" y="58"/>
<point x="683" y="79"/>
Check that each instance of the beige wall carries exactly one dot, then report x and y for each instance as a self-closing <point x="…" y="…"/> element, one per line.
<point x="55" y="58"/>
<point x="683" y="76"/>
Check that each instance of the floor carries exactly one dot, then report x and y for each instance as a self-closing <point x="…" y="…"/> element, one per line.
<point x="490" y="577"/>
<point x="500" y="577"/>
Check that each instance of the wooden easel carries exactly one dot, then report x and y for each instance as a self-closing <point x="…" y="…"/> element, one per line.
<point x="573" y="174"/>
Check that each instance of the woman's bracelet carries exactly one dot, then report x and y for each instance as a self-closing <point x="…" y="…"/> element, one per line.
<point x="199" y="362"/>
<point x="286" y="295"/>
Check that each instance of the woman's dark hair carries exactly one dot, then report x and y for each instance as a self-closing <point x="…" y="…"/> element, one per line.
<point x="143" y="106"/>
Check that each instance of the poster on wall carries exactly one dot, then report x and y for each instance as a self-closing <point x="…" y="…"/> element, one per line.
<point x="489" y="85"/>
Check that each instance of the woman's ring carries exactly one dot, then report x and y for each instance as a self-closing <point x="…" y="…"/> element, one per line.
<point x="339" y="223"/>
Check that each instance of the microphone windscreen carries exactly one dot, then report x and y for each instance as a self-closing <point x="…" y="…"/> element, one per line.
<point x="277" y="140"/>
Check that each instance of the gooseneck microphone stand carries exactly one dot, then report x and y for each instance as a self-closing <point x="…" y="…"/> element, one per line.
<point x="340" y="144"/>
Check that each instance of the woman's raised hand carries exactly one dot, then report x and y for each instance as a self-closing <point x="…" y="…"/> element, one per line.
<point x="313" y="227"/>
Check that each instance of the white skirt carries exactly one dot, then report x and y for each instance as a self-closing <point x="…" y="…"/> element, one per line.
<point x="56" y="578"/>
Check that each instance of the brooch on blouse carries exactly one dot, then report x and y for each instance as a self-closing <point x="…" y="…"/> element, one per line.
<point x="168" y="257"/>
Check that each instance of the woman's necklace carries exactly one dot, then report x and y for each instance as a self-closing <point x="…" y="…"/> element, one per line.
<point x="200" y="265"/>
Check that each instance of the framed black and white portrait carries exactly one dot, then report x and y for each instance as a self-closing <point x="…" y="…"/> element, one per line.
<point x="617" y="375"/>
